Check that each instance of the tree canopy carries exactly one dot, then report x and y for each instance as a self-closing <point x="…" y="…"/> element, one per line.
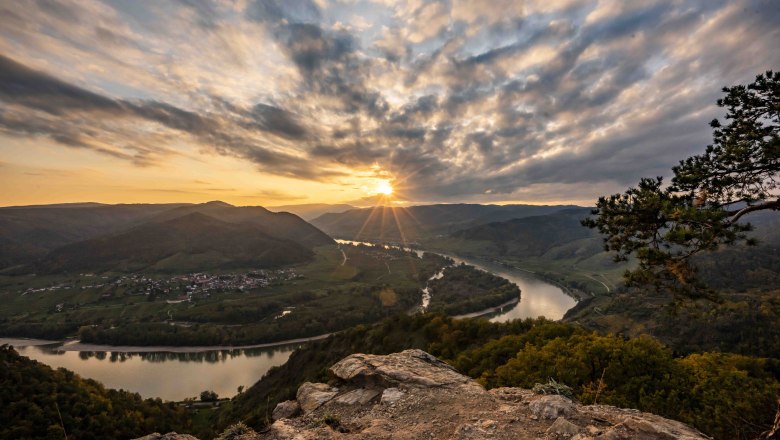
<point x="703" y="207"/>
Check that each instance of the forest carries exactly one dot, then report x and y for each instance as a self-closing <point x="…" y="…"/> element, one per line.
<point x="465" y="289"/>
<point x="39" y="402"/>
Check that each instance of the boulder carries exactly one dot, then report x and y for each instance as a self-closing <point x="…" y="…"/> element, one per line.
<point x="409" y="368"/>
<point x="360" y="396"/>
<point x="563" y="428"/>
<point x="311" y="396"/>
<point x="551" y="407"/>
<point x="286" y="410"/>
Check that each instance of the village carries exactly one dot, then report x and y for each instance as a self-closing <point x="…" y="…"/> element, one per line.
<point x="175" y="288"/>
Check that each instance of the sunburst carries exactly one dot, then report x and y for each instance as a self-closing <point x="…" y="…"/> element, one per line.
<point x="384" y="188"/>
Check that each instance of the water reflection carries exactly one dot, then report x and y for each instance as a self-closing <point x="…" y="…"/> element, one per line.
<point x="213" y="357"/>
<point x="169" y="376"/>
<point x="537" y="297"/>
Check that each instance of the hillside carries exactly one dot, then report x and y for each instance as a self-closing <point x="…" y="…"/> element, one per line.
<point x="190" y="242"/>
<point x="414" y="223"/>
<point x="37" y="401"/>
<point x="724" y="395"/>
<point x="529" y="236"/>
<point x="282" y="225"/>
<point x="29" y="232"/>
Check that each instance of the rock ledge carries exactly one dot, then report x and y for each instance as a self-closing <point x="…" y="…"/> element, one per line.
<point x="413" y="395"/>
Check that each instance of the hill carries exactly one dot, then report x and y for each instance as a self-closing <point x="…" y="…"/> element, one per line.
<point x="414" y="223"/>
<point x="310" y="211"/>
<point x="529" y="236"/>
<point x="37" y="401"/>
<point x="277" y="224"/>
<point x="186" y="243"/>
<point x="30" y="232"/>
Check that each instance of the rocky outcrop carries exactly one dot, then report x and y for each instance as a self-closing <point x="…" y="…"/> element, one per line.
<point x="413" y="395"/>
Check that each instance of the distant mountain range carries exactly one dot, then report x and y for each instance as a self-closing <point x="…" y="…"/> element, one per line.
<point x="167" y="237"/>
<point x="531" y="236"/>
<point x="414" y="223"/>
<point x="310" y="211"/>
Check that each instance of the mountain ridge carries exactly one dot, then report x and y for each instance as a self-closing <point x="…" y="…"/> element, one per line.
<point x="186" y="243"/>
<point x="404" y="224"/>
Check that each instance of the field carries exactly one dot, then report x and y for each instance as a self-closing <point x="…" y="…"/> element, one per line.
<point x="340" y="287"/>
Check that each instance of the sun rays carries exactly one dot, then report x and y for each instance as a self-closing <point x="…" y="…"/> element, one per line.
<point x="384" y="188"/>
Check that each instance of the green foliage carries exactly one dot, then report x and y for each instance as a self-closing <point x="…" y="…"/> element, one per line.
<point x="738" y="174"/>
<point x="745" y="323"/>
<point x="33" y="396"/>
<point x="724" y="395"/>
<point x="742" y="163"/>
<point x="553" y="388"/>
<point x="235" y="431"/>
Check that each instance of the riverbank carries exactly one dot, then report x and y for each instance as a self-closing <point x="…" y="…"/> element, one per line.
<point x="86" y="347"/>
<point x="575" y="294"/>
<point x="27" y="342"/>
<point x="488" y="311"/>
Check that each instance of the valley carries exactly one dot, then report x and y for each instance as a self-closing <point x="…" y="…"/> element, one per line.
<point x="362" y="219"/>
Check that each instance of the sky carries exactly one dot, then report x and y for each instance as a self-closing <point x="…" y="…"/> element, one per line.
<point x="271" y="102"/>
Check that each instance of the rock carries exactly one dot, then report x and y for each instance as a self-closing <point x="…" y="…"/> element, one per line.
<point x="409" y="368"/>
<point x="168" y="436"/>
<point x="552" y="407"/>
<point x="649" y="426"/>
<point x="592" y="430"/>
<point x="391" y="395"/>
<point x="286" y="410"/>
<point x="311" y="396"/>
<point x="563" y="428"/>
<point x="360" y="396"/>
<point x="412" y="395"/>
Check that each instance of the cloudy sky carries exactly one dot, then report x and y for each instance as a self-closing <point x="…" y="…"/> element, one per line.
<point x="276" y="102"/>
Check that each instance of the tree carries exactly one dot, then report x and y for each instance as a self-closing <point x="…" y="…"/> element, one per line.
<point x="208" y="396"/>
<point x="709" y="195"/>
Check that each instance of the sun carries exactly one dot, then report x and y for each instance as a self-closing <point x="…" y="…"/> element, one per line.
<point x="384" y="188"/>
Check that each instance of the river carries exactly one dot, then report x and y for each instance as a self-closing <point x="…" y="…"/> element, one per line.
<point x="176" y="373"/>
<point x="169" y="376"/>
<point x="537" y="297"/>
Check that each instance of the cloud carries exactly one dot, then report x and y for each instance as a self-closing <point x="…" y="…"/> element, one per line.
<point x="277" y="120"/>
<point x="477" y="100"/>
<point x="27" y="87"/>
